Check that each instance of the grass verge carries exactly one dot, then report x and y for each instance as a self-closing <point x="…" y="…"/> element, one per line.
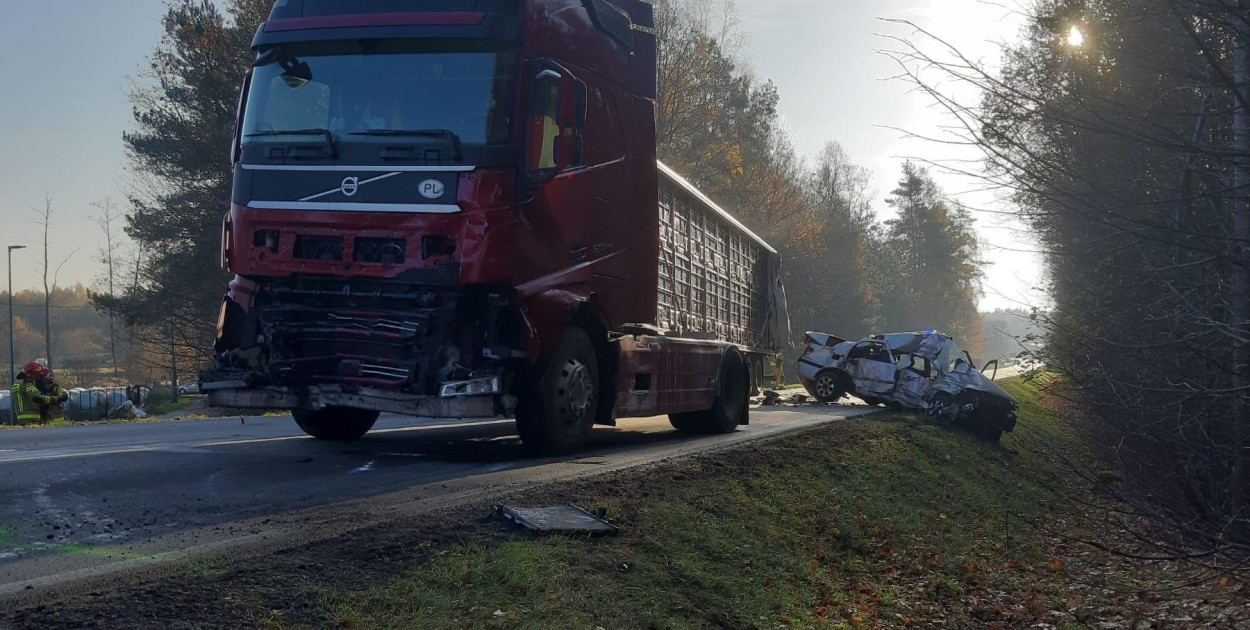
<point x="161" y="405"/>
<point x="901" y="524"/>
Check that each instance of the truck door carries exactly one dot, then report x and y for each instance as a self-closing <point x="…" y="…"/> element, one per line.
<point x="581" y="230"/>
<point x="871" y="366"/>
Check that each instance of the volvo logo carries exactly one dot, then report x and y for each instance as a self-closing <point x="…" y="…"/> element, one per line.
<point x="350" y="186"/>
<point x="431" y="189"/>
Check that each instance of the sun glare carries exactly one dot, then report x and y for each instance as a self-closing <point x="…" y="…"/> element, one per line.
<point x="1075" y="37"/>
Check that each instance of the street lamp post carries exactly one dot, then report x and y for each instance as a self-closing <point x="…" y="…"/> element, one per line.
<point x="12" y="349"/>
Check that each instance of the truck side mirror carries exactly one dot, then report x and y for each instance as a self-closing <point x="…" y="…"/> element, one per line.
<point x="555" y="122"/>
<point x="567" y="148"/>
<point x="572" y="122"/>
<point x="543" y="126"/>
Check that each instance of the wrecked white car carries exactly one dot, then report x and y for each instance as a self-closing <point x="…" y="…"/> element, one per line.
<point x="921" y="371"/>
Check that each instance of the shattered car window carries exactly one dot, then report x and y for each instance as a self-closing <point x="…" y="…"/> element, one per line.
<point x="872" y="352"/>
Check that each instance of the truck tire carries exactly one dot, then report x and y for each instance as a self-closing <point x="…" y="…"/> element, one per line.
<point x="730" y="409"/>
<point x="557" y="413"/>
<point x="336" y="424"/>
<point x="828" y="386"/>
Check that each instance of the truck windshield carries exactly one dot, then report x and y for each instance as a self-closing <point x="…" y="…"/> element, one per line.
<point x="354" y="88"/>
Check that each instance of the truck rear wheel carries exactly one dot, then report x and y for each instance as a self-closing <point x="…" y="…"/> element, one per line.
<point x="557" y="413"/>
<point x="732" y="405"/>
<point x="336" y="424"/>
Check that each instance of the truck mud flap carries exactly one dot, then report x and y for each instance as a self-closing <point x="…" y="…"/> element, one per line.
<point x="373" y="400"/>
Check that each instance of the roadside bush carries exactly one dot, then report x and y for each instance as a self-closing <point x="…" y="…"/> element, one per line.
<point x="161" y="401"/>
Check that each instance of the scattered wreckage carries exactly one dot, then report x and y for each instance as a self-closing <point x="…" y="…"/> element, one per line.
<point x="923" y="371"/>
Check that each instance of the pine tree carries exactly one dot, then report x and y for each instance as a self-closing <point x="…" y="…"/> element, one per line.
<point x="184" y="111"/>
<point x="934" y="256"/>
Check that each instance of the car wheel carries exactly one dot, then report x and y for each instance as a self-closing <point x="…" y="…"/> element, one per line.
<point x="730" y="409"/>
<point x="555" y="414"/>
<point x="336" y="424"/>
<point x="828" y="386"/>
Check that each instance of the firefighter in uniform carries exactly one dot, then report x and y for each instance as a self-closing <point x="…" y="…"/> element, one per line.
<point x="53" y="409"/>
<point x="28" y="401"/>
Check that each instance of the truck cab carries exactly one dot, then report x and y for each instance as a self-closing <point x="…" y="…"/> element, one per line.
<point x="449" y="208"/>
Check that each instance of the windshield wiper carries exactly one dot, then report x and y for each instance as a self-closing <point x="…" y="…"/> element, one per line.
<point x="325" y="133"/>
<point x="457" y="153"/>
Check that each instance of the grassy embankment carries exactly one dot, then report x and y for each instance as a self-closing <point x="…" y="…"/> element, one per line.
<point x="895" y="523"/>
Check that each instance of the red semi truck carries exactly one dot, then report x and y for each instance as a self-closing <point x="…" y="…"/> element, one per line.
<point x="453" y="208"/>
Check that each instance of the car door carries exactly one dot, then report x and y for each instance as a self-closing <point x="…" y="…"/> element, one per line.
<point x="914" y="381"/>
<point x="871" y="367"/>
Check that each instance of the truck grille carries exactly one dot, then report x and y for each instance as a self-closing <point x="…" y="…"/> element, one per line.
<point x="381" y="335"/>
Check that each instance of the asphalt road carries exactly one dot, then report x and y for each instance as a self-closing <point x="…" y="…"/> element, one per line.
<point x="79" y="502"/>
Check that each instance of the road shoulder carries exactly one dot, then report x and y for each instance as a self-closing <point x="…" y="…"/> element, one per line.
<point x="884" y="521"/>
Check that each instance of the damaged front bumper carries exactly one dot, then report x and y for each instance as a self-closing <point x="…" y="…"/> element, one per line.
<point x="314" y="398"/>
<point x="976" y="408"/>
<point x="414" y="349"/>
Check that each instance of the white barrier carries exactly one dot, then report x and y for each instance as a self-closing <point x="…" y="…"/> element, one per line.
<point x="99" y="403"/>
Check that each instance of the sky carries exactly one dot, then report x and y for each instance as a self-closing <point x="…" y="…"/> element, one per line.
<point x="68" y="65"/>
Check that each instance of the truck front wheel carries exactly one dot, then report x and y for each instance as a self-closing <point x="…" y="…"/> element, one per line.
<point x="731" y="406"/>
<point x="556" y="413"/>
<point x="336" y="424"/>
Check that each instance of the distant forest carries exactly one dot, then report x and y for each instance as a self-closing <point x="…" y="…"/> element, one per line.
<point x="82" y="348"/>
<point x="848" y="271"/>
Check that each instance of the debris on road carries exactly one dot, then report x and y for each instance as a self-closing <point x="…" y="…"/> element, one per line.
<point x="557" y="520"/>
<point x="924" y="372"/>
<point x="774" y="399"/>
<point x="127" y="411"/>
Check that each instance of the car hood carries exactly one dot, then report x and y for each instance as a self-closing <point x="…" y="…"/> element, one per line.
<point x="966" y="377"/>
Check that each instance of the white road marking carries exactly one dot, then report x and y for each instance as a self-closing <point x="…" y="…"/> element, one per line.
<point x="120" y="451"/>
<point x="255" y="441"/>
<point x="432" y="427"/>
<point x="49" y="509"/>
<point x="202" y="445"/>
<point x="365" y="468"/>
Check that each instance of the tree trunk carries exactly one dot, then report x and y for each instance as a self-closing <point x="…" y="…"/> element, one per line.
<point x="1241" y="264"/>
<point x="47" y="292"/>
<point x="173" y="365"/>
